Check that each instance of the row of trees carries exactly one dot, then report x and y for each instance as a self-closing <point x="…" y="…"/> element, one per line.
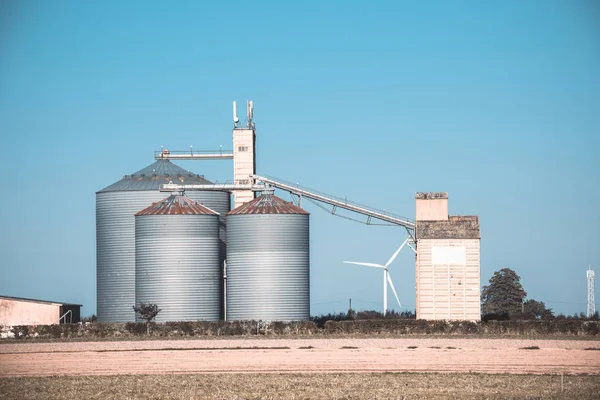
<point x="504" y="298"/>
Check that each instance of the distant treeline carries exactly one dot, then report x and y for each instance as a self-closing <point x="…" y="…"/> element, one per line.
<point x="361" y="315"/>
<point x="392" y="315"/>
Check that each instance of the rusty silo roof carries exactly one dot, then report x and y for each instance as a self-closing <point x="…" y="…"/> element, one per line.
<point x="177" y="205"/>
<point x="267" y="204"/>
<point x="154" y="175"/>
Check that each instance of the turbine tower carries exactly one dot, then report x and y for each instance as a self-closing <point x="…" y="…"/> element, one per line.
<point x="591" y="308"/>
<point x="387" y="279"/>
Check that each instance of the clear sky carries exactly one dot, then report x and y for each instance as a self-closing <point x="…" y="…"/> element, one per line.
<point x="497" y="103"/>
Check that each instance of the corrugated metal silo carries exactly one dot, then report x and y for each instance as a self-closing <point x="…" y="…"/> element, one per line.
<point x="177" y="260"/>
<point x="115" y="231"/>
<point x="268" y="266"/>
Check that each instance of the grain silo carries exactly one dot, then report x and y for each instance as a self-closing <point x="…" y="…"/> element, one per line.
<point x="177" y="262"/>
<point x="115" y="231"/>
<point x="268" y="268"/>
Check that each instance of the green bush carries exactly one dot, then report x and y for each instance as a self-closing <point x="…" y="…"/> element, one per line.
<point x="493" y="327"/>
<point x="180" y="328"/>
<point x="93" y="330"/>
<point x="21" y="331"/>
<point x="136" y="328"/>
<point x="56" y="331"/>
<point x="591" y="328"/>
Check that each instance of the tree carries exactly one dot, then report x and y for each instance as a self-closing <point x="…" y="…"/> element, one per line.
<point x="351" y="314"/>
<point x="93" y="318"/>
<point x="533" y="309"/>
<point x="147" y="312"/>
<point x="504" y="294"/>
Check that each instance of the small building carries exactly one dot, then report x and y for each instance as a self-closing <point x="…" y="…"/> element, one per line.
<point x="448" y="261"/>
<point x="21" y="311"/>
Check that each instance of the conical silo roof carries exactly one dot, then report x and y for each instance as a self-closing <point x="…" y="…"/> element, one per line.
<point x="154" y="175"/>
<point x="177" y="205"/>
<point x="267" y="204"/>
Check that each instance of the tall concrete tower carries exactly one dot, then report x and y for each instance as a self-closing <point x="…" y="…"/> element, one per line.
<point x="244" y="155"/>
<point x="591" y="306"/>
<point x="448" y="263"/>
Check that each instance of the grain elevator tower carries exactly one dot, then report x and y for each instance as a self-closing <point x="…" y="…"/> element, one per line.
<point x="244" y="154"/>
<point x="448" y="262"/>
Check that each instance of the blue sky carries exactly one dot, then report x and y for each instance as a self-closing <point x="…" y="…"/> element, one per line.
<point x="497" y="103"/>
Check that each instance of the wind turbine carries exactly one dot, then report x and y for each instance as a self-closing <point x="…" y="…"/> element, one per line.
<point x="386" y="275"/>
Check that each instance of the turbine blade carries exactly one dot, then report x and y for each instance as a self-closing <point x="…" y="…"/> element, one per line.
<point x="391" y="260"/>
<point x="393" y="288"/>
<point x="365" y="264"/>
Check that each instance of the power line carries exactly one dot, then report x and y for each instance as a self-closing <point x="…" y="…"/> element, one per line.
<point x="355" y="300"/>
<point x="562" y="302"/>
<point x="329" y="302"/>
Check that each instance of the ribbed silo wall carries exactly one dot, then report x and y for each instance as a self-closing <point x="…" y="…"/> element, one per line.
<point x="177" y="266"/>
<point x="268" y="267"/>
<point x="115" y="245"/>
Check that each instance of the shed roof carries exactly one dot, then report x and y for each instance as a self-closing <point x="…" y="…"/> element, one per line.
<point x="154" y="175"/>
<point x="177" y="205"/>
<point x="38" y="301"/>
<point x="267" y="204"/>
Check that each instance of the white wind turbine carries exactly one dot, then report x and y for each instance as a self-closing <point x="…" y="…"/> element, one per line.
<point x="386" y="275"/>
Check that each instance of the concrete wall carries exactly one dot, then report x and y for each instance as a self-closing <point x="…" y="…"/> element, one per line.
<point x="455" y="227"/>
<point x="432" y="206"/>
<point x="244" y="163"/>
<point x="448" y="279"/>
<point x="19" y="312"/>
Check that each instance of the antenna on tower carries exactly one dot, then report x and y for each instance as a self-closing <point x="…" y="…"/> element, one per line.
<point x="591" y="306"/>
<point x="250" y="113"/>
<point x="235" y="117"/>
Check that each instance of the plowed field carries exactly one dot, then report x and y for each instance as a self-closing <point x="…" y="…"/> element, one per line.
<point x="301" y="356"/>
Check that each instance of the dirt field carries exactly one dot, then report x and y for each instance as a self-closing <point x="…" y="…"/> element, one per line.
<point x="301" y="356"/>
<point x="303" y="386"/>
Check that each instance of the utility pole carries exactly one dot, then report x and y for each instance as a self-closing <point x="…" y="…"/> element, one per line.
<point x="350" y="307"/>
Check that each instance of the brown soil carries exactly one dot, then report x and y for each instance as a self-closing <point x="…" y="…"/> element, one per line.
<point x="301" y="356"/>
<point x="326" y="386"/>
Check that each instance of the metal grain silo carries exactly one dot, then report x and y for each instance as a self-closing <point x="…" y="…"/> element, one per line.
<point x="177" y="260"/>
<point x="268" y="268"/>
<point x="115" y="231"/>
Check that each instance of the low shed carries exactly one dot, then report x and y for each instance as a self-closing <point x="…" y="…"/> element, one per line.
<point x="22" y="311"/>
